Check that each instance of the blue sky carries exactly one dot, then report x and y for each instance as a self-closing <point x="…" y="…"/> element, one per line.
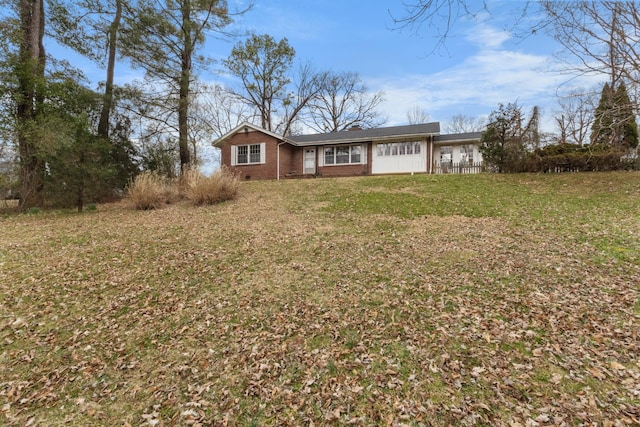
<point x="482" y="64"/>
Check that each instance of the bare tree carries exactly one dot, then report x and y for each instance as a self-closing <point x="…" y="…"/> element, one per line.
<point x="601" y="38"/>
<point x="598" y="37"/>
<point x="343" y="102"/>
<point x="218" y="110"/>
<point x="461" y="123"/>
<point x="214" y="111"/>
<point x="575" y="117"/>
<point x="417" y="115"/>
<point x="307" y="87"/>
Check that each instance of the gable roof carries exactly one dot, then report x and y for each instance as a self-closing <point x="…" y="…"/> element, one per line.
<point x="366" y="135"/>
<point x="458" y="137"/>
<point x="245" y="126"/>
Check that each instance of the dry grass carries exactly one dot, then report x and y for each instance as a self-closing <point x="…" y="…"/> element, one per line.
<point x="450" y="300"/>
<point x="8" y="206"/>
<point x="221" y="186"/>
<point x="150" y="191"/>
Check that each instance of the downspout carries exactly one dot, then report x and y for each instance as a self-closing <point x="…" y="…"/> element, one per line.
<point x="278" y="160"/>
<point x="431" y="156"/>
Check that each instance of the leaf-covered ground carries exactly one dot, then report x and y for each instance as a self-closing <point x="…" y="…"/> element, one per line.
<point x="468" y="300"/>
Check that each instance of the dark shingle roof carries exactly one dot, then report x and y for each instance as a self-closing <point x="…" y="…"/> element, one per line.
<point x="458" y="137"/>
<point x="363" y="135"/>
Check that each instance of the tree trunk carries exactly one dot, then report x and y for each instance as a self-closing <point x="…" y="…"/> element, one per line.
<point x="103" y="125"/>
<point x="185" y="76"/>
<point x="183" y="127"/>
<point x="30" y="98"/>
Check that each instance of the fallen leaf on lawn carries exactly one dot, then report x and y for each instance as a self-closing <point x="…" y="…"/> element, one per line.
<point x="477" y="370"/>
<point x="596" y="373"/>
<point x="617" y="366"/>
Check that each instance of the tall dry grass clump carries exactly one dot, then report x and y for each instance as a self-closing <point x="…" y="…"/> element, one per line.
<point x="150" y="191"/>
<point x="189" y="179"/>
<point x="208" y="190"/>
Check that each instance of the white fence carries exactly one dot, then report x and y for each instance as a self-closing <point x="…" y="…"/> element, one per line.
<point x="462" y="167"/>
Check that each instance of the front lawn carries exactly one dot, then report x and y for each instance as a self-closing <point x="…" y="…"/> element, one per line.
<point x="396" y="300"/>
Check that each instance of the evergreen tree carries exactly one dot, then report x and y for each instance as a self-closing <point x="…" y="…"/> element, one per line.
<point x="79" y="166"/>
<point x="615" y="121"/>
<point x="507" y="140"/>
<point x="123" y="154"/>
<point x="91" y="28"/>
<point x="602" y="128"/>
<point x="627" y="125"/>
<point x="164" y="38"/>
<point x="262" y="64"/>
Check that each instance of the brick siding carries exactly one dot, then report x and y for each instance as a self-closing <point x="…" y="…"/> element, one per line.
<point x="268" y="170"/>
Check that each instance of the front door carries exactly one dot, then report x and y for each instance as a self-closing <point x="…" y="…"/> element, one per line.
<point x="309" y="161"/>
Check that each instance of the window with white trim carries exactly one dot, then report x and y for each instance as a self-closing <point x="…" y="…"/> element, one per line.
<point x="446" y="154"/>
<point x="251" y="154"/>
<point x="466" y="153"/>
<point x="343" y="155"/>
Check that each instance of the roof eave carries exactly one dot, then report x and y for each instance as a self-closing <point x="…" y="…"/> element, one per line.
<point x="456" y="140"/>
<point x="247" y="125"/>
<point x="364" y="139"/>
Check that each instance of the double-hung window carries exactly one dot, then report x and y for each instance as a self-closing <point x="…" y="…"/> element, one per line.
<point x="243" y="154"/>
<point x="446" y="154"/>
<point x="251" y="154"/>
<point x="343" y="155"/>
<point x="466" y="153"/>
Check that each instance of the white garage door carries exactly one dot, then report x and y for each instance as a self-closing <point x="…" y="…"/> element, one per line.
<point x="399" y="157"/>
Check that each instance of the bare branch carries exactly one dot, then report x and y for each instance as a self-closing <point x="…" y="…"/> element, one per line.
<point x="442" y="15"/>
<point x="417" y="115"/>
<point x="344" y="102"/>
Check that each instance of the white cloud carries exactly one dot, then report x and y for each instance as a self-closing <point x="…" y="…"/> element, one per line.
<point x="487" y="37"/>
<point x="476" y="86"/>
<point x="489" y="75"/>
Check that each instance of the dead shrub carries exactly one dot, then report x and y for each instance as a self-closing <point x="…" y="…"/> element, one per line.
<point x="149" y="191"/>
<point x="208" y="190"/>
<point x="188" y="180"/>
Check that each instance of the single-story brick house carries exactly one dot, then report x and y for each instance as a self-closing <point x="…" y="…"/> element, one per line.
<point x="255" y="153"/>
